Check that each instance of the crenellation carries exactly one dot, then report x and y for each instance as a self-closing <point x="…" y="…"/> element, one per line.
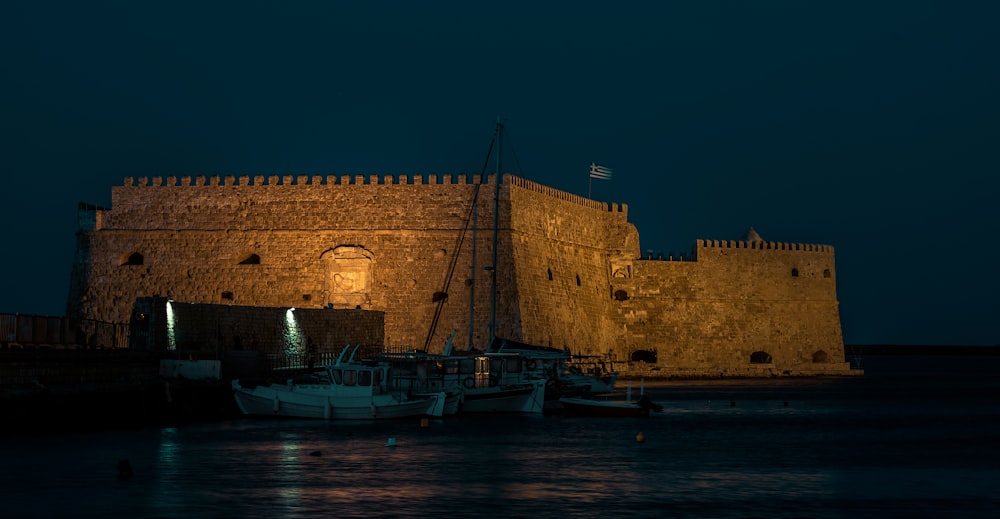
<point x="763" y="245"/>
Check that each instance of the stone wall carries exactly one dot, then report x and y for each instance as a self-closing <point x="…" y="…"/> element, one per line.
<point x="161" y="325"/>
<point x="378" y="246"/>
<point x="420" y="251"/>
<point x="736" y="298"/>
<point x="562" y="247"/>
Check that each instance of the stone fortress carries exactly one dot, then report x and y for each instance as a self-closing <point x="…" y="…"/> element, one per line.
<point x="569" y="270"/>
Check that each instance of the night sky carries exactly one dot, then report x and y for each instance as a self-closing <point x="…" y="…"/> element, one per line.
<point x="869" y="126"/>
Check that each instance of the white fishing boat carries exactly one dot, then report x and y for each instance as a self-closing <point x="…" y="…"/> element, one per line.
<point x="343" y="391"/>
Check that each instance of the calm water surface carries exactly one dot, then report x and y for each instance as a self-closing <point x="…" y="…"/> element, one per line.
<point x="914" y="438"/>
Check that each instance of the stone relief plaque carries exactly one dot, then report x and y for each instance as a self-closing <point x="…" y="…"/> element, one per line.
<point x="349" y="275"/>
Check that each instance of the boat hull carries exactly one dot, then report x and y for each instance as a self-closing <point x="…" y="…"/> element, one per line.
<point x="524" y="398"/>
<point x="285" y="401"/>
<point x="588" y="407"/>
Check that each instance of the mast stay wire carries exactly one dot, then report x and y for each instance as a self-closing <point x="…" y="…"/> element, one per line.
<point x="441" y="297"/>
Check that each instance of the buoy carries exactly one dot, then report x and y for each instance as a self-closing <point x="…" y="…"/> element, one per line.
<point x="424" y="422"/>
<point x="391" y="442"/>
<point x="640" y="437"/>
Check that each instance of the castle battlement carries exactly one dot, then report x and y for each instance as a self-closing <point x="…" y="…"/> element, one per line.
<point x="370" y="180"/>
<point x="304" y="180"/>
<point x="568" y="197"/>
<point x="762" y="245"/>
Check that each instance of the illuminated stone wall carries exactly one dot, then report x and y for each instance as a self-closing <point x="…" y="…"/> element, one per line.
<point x="389" y="243"/>
<point x="737" y="298"/>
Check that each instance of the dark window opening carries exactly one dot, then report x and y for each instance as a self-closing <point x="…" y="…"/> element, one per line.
<point x="133" y="259"/>
<point x="648" y="356"/>
<point x="577" y="280"/>
<point x="826" y="273"/>
<point x="795" y="273"/>
<point x="760" y="357"/>
<point x="821" y="357"/>
<point x="550" y="274"/>
<point x="227" y="296"/>
<point x="621" y="295"/>
<point x="307" y="297"/>
<point x="252" y="259"/>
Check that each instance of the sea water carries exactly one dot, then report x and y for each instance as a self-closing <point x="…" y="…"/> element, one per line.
<point x="915" y="437"/>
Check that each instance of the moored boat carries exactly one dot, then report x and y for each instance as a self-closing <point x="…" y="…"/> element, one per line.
<point x="582" y="406"/>
<point x="484" y="382"/>
<point x="343" y="391"/>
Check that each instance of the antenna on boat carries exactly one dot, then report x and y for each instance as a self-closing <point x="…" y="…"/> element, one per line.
<point x="448" y="345"/>
<point x="342" y="352"/>
<point x="351" y="358"/>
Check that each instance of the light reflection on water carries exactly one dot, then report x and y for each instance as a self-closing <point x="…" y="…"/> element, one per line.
<point x="840" y="449"/>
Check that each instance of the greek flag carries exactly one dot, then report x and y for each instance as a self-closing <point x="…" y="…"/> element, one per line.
<point x="600" y="172"/>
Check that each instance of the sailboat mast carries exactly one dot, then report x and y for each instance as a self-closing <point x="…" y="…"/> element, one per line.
<point x="496" y="231"/>
<point x="472" y="275"/>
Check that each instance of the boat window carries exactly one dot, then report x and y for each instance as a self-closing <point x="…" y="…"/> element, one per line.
<point x="451" y="366"/>
<point x="378" y="378"/>
<point x="338" y="376"/>
<point x="468" y="366"/>
<point x="350" y="377"/>
<point x="514" y="365"/>
<point x="364" y="378"/>
<point x="496" y="365"/>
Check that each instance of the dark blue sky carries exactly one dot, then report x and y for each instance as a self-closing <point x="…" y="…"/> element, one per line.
<point x="869" y="126"/>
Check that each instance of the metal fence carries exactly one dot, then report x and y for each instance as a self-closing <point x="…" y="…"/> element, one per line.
<point x="34" y="331"/>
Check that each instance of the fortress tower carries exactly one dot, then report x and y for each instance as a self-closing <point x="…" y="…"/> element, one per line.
<point x="569" y="269"/>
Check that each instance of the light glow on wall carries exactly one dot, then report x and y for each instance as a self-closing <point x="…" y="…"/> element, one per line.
<point x="171" y="339"/>
<point x="293" y="341"/>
